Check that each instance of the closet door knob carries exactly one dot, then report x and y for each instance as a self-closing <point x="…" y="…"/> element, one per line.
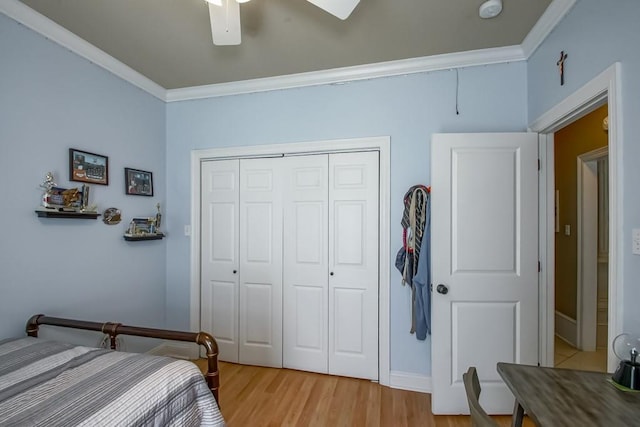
<point x="331" y="274"/>
<point x="235" y="271"/>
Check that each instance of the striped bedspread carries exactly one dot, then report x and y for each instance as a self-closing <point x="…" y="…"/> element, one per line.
<point x="47" y="383"/>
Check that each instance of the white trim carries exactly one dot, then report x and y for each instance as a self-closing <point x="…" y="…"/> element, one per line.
<point x="349" y="74"/>
<point x="547" y="22"/>
<point x="382" y="144"/>
<point x="23" y="14"/>
<point x="177" y="350"/>
<point x="566" y="328"/>
<point x="605" y="87"/>
<point x="580" y="103"/>
<point x="587" y="229"/>
<point x="28" y="17"/>
<point x="546" y="221"/>
<point x="410" y="381"/>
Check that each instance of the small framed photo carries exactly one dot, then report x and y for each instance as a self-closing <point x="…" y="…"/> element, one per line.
<point x="88" y="167"/>
<point x="137" y="182"/>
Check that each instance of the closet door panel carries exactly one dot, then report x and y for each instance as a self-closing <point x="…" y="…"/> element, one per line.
<point x="260" y="262"/>
<point x="258" y="303"/>
<point x="219" y="254"/>
<point x="353" y="263"/>
<point x="348" y="311"/>
<point x="350" y="224"/>
<point x="222" y="296"/>
<point x="305" y="272"/>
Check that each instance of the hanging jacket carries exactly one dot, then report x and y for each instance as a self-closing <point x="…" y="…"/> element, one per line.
<point x="412" y="259"/>
<point x="422" y="285"/>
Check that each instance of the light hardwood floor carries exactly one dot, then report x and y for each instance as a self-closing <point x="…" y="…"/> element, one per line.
<point x="256" y="396"/>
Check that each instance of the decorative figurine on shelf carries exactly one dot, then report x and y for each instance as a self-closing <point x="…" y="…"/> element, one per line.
<point x="48" y="182"/>
<point x="71" y="197"/>
<point x="84" y="204"/>
<point x="131" y="230"/>
<point x="158" y="220"/>
<point x="48" y="185"/>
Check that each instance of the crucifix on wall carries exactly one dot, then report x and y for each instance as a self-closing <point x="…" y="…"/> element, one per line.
<point x="560" y="64"/>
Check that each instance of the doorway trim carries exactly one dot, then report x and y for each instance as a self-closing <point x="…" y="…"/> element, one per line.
<point x="382" y="144"/>
<point x="603" y="89"/>
<point x="587" y="228"/>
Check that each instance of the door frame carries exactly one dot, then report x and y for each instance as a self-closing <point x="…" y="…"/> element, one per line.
<point x="604" y="88"/>
<point x="382" y="144"/>
<point x="587" y="228"/>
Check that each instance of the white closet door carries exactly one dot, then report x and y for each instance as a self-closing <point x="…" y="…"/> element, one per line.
<point x="305" y="274"/>
<point x="353" y="264"/>
<point x="260" y="262"/>
<point x="219" y="254"/>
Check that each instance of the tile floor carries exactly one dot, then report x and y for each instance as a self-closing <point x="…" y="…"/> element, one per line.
<point x="567" y="356"/>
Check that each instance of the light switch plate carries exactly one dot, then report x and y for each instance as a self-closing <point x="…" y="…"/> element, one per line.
<point x="635" y="241"/>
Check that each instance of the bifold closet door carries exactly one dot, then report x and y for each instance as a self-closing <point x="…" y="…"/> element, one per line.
<point x="261" y="262"/>
<point x="289" y="267"/>
<point x="331" y="264"/>
<point x="219" y="263"/>
<point x="305" y="274"/>
<point x="353" y="264"/>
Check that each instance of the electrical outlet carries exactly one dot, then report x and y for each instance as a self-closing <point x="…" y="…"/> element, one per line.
<point x="187" y="230"/>
<point x="567" y="230"/>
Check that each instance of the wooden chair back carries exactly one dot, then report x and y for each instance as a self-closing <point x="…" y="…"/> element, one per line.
<point x="479" y="418"/>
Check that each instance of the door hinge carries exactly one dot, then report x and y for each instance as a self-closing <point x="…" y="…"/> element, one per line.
<point x="539" y="164"/>
<point x="539" y="267"/>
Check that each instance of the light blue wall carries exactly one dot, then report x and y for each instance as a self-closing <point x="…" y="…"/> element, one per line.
<point x="408" y="109"/>
<point x="51" y="100"/>
<point x="595" y="35"/>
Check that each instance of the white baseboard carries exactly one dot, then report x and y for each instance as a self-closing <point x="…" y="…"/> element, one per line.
<point x="410" y="381"/>
<point x="566" y="328"/>
<point x="177" y="350"/>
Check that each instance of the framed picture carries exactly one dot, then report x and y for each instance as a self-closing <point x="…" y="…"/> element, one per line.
<point x="137" y="182"/>
<point x="88" y="167"/>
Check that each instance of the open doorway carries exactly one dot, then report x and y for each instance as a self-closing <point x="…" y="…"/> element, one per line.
<point x="581" y="242"/>
<point x="604" y="89"/>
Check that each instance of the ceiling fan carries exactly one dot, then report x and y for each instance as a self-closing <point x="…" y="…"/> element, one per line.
<point x="225" y="17"/>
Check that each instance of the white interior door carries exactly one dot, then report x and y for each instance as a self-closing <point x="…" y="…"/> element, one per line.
<point x="484" y="222"/>
<point x="353" y="264"/>
<point x="219" y="254"/>
<point x="260" y="262"/>
<point x="305" y="274"/>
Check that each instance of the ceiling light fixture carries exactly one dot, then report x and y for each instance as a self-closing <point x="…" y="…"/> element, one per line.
<point x="490" y="9"/>
<point x="225" y="17"/>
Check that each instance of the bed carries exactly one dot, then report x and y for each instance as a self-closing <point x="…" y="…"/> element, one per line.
<point x="49" y="383"/>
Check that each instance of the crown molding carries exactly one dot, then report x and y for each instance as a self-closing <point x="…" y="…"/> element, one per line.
<point x="28" y="17"/>
<point x="39" y="23"/>
<point x="551" y="17"/>
<point x="349" y="74"/>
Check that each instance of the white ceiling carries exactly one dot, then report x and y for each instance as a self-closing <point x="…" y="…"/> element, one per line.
<point x="169" y="41"/>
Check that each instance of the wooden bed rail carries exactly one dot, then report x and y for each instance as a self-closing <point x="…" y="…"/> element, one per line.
<point x="114" y="329"/>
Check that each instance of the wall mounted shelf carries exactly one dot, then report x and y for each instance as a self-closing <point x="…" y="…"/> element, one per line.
<point x="130" y="238"/>
<point x="42" y="213"/>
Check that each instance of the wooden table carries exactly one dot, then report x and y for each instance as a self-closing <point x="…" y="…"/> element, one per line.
<point x="566" y="397"/>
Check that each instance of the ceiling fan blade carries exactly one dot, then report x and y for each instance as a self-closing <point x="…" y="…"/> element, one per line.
<point x="225" y="23"/>
<point x="340" y="8"/>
